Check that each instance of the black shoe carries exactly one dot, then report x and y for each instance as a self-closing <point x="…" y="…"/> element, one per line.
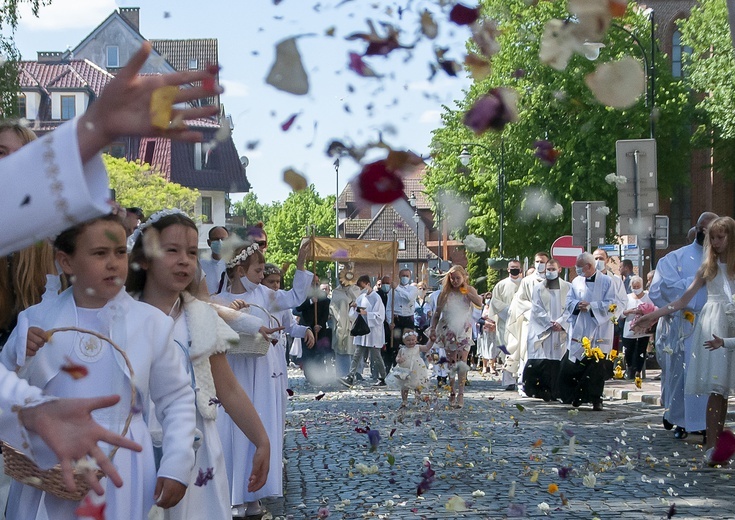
<point x="346" y="381"/>
<point x="667" y="424"/>
<point x="381" y="382"/>
<point x="358" y="377"/>
<point x="511" y="388"/>
<point x="467" y="382"/>
<point x="597" y="406"/>
<point x="680" y="433"/>
<point x="545" y="394"/>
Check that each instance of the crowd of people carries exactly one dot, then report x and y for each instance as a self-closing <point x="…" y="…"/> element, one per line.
<point x="118" y="334"/>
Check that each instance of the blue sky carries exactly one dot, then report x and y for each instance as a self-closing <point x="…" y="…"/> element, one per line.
<point x="405" y="106"/>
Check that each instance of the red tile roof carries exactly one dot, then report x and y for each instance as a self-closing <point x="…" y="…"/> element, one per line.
<point x="72" y="74"/>
<point x="388" y="221"/>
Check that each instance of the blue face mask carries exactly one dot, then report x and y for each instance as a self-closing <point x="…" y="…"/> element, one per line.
<point x="216" y="246"/>
<point x="580" y="271"/>
<point x="385" y="288"/>
<point x="405" y="280"/>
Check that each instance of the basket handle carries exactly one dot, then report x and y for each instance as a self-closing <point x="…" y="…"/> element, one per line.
<point x="270" y="316"/>
<point x="133" y="397"/>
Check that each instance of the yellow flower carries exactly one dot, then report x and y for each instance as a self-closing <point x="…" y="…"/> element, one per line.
<point x="618" y="373"/>
<point x="689" y="316"/>
<point x="463" y="290"/>
<point x="613" y="307"/>
<point x="613" y="354"/>
<point x="586" y="342"/>
<point x="638" y="382"/>
<point x="597" y="353"/>
<point x="553" y="488"/>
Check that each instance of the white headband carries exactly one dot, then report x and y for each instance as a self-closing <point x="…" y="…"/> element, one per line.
<point x="252" y="248"/>
<point x="155" y="217"/>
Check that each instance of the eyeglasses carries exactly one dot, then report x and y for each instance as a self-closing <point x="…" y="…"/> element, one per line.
<point x="262" y="243"/>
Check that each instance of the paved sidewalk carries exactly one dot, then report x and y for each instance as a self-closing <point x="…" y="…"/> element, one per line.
<point x="500" y="455"/>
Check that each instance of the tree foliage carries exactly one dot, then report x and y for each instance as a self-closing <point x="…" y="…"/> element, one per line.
<point x="710" y="69"/>
<point x="9" y="56"/>
<point x="288" y="224"/>
<point x="558" y="107"/>
<point x="137" y="185"/>
<point x="254" y="212"/>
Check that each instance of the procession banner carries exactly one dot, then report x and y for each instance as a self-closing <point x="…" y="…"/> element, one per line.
<point x="329" y="249"/>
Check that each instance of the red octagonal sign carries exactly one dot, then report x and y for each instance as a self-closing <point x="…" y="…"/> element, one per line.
<point x="565" y="252"/>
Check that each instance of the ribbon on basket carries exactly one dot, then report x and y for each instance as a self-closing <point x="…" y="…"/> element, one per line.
<point x="21" y="468"/>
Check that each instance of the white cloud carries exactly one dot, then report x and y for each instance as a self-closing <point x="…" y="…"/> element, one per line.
<point x="235" y="88"/>
<point x="432" y="117"/>
<point x="66" y="14"/>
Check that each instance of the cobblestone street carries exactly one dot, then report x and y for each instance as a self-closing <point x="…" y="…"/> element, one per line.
<point x="502" y="455"/>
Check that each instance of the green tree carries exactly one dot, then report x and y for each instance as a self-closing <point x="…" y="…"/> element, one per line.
<point x="288" y="225"/>
<point x="9" y="55"/>
<point x="710" y="69"/>
<point x="136" y="184"/>
<point x="250" y="208"/>
<point x="556" y="106"/>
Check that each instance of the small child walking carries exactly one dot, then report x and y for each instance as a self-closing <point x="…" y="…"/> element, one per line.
<point x="410" y="372"/>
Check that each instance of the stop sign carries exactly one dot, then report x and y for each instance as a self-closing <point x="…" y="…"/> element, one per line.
<point x="565" y="252"/>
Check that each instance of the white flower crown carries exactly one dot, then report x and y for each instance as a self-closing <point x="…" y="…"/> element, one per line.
<point x="155" y="217"/>
<point x="252" y="248"/>
<point x="410" y="333"/>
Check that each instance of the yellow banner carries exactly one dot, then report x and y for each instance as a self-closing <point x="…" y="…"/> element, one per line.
<point x="353" y="250"/>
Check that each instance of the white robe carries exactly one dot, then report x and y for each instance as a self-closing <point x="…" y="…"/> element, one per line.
<point x="145" y="334"/>
<point x="596" y="324"/>
<point x="674" y="273"/>
<point x="339" y="312"/>
<point x="31" y="215"/>
<point x="517" y="326"/>
<point x="263" y="379"/>
<point x="503" y="293"/>
<point x="548" y="306"/>
<point x="374" y="317"/>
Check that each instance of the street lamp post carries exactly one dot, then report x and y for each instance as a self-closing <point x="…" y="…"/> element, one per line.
<point x="592" y="52"/>
<point x="465" y="157"/>
<point x="336" y="216"/>
<point x="416" y="219"/>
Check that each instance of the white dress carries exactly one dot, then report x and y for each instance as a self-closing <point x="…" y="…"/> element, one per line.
<point x="711" y="371"/>
<point x="264" y="379"/>
<point x="145" y="334"/>
<point x="411" y="373"/>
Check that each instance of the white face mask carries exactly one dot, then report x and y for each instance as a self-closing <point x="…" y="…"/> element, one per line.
<point x="638" y="291"/>
<point x="249" y="286"/>
<point x="540" y="267"/>
<point x="600" y="265"/>
<point x="579" y="270"/>
<point x="552" y="275"/>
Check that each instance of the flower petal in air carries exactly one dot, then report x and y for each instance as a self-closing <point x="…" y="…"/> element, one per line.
<point x="617" y="84"/>
<point x="492" y="111"/>
<point x="288" y="73"/>
<point x="463" y="15"/>
<point x="377" y="184"/>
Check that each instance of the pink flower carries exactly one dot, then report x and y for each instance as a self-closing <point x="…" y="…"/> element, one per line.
<point x="646" y="307"/>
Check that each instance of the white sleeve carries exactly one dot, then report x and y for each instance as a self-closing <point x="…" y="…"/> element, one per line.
<point x="46" y="189"/>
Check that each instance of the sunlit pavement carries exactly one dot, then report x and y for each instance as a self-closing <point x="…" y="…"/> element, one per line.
<point x="501" y="455"/>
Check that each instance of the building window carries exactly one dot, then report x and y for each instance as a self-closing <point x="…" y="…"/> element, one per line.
<point x="207" y="210"/>
<point x="679" y="55"/>
<point x="116" y="149"/>
<point x="680" y="215"/>
<point x="150" y="149"/>
<point x="200" y="156"/>
<point x="193" y="64"/>
<point x="22" y="107"/>
<point x="113" y="57"/>
<point x="68" y="107"/>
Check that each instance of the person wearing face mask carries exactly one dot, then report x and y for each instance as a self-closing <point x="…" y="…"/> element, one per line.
<point x="400" y="306"/>
<point x="499" y="306"/>
<point x="581" y="378"/>
<point x="635" y="343"/>
<point x="214" y="265"/>
<point x="547" y="335"/>
<point x="674" y="273"/>
<point x="601" y="262"/>
<point x="390" y="347"/>
<point x="369" y="305"/>
<point x="517" y="325"/>
<point x="421" y="313"/>
<point x="314" y="314"/>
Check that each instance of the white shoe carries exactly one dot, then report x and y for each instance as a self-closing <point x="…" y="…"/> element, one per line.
<point x="239" y="511"/>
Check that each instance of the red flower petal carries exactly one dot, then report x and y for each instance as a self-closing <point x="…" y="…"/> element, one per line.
<point x="378" y="184"/>
<point x="89" y="509"/>
<point x="74" y="370"/>
<point x="303" y="432"/>
<point x="287" y="124"/>
<point x="724" y="447"/>
<point x="463" y="15"/>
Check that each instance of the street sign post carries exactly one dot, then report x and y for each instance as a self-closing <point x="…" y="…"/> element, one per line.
<point x="588" y="223"/>
<point x="564" y="250"/>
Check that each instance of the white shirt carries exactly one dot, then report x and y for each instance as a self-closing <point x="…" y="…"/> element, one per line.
<point x="213" y="270"/>
<point x="405" y="301"/>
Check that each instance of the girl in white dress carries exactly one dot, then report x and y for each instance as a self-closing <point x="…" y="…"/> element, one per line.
<point x="94" y="254"/>
<point x="263" y="378"/>
<point x="410" y="372"/>
<point x="710" y="371"/>
<point x="164" y="281"/>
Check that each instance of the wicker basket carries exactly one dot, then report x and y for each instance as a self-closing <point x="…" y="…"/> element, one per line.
<point x="24" y="470"/>
<point x="254" y="345"/>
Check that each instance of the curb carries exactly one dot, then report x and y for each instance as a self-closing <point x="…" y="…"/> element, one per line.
<point x="634" y="396"/>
